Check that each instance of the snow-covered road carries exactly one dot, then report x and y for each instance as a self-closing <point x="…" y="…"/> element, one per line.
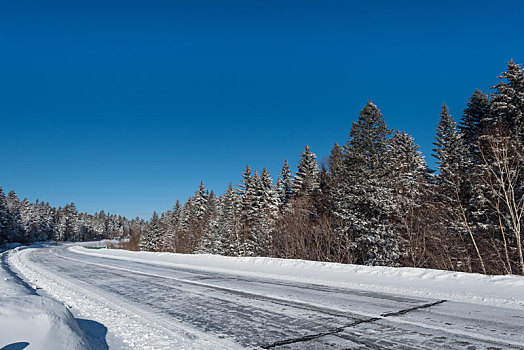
<point x="145" y="305"/>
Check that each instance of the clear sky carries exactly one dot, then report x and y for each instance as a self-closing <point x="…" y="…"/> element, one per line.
<point x="127" y="105"/>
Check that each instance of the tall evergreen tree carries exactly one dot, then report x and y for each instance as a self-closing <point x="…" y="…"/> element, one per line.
<point x="306" y="180"/>
<point x="284" y="184"/>
<point x="363" y="196"/>
<point x="16" y="230"/>
<point x="150" y="241"/>
<point x="454" y="187"/>
<point x="4" y="218"/>
<point x="251" y="211"/>
<point x="475" y="121"/>
<point x="228" y="224"/>
<point x="210" y="238"/>
<point x="508" y="100"/>
<point x="450" y="153"/>
<point x="172" y="227"/>
<point x="200" y="203"/>
<point x="336" y="162"/>
<point x="269" y="197"/>
<point x="409" y="182"/>
<point x="245" y="192"/>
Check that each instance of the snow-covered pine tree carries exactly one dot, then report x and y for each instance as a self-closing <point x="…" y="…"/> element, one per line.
<point x="209" y="243"/>
<point x="172" y="227"/>
<point x="269" y="195"/>
<point x="15" y="231"/>
<point x="363" y="201"/>
<point x="46" y="214"/>
<point x="409" y="182"/>
<point x="474" y="122"/>
<point x="408" y="172"/>
<point x="228" y="230"/>
<point x="336" y="163"/>
<point x="4" y="218"/>
<point x="150" y="239"/>
<point x="269" y="210"/>
<point x="244" y="191"/>
<point x="165" y="217"/>
<point x="451" y="155"/>
<point x="453" y="186"/>
<point x="283" y="187"/>
<point x="331" y="178"/>
<point x="306" y="180"/>
<point x="250" y="213"/>
<point x="31" y="221"/>
<point x="67" y="222"/>
<point x="192" y="221"/>
<point x="507" y="101"/>
<point x="200" y="203"/>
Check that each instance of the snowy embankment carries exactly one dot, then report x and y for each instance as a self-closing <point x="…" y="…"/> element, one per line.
<point x="34" y="321"/>
<point x="505" y="291"/>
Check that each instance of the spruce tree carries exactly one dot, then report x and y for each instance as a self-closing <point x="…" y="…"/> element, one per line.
<point x="228" y="224"/>
<point x="408" y="168"/>
<point x="409" y="177"/>
<point x="454" y="188"/>
<point x="336" y="163"/>
<point x="200" y="203"/>
<point x="508" y="101"/>
<point x="269" y="197"/>
<point x="450" y="153"/>
<point x="475" y="121"/>
<point x="151" y="239"/>
<point x="363" y="200"/>
<point x="245" y="192"/>
<point x="284" y="184"/>
<point x="172" y="227"/>
<point x="306" y="180"/>
<point x="243" y="187"/>
<point x="211" y="236"/>
<point x="4" y="218"/>
<point x="15" y="231"/>
<point x="252" y="202"/>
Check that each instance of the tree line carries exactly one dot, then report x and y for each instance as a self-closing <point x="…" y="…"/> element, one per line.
<point x="25" y="222"/>
<point x="373" y="201"/>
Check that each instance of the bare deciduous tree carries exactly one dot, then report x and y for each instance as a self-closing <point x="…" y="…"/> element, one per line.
<point x="503" y="157"/>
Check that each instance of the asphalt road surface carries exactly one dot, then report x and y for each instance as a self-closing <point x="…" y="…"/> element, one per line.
<point x="130" y="304"/>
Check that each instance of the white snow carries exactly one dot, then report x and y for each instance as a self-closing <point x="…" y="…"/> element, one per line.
<point x="504" y="291"/>
<point x="127" y="326"/>
<point x="28" y="319"/>
<point x="136" y="305"/>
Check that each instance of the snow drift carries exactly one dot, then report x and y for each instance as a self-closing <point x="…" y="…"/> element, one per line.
<point x="34" y="321"/>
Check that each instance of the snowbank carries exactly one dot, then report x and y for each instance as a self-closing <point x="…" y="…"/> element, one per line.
<point x="505" y="291"/>
<point x="34" y="321"/>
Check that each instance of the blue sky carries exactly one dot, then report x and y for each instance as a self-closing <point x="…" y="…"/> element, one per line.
<point x="127" y="105"/>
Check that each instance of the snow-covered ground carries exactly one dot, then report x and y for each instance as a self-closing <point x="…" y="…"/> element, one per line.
<point x="505" y="291"/>
<point x="143" y="300"/>
<point x="34" y="321"/>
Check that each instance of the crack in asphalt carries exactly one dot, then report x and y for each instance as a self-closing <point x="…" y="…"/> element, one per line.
<point x="352" y="324"/>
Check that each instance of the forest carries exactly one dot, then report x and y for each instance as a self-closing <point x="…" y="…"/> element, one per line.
<point x="374" y="201"/>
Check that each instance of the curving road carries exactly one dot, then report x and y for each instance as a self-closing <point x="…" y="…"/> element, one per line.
<point x="146" y="305"/>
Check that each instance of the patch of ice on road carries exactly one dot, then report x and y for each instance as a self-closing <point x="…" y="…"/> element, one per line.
<point x="505" y="291"/>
